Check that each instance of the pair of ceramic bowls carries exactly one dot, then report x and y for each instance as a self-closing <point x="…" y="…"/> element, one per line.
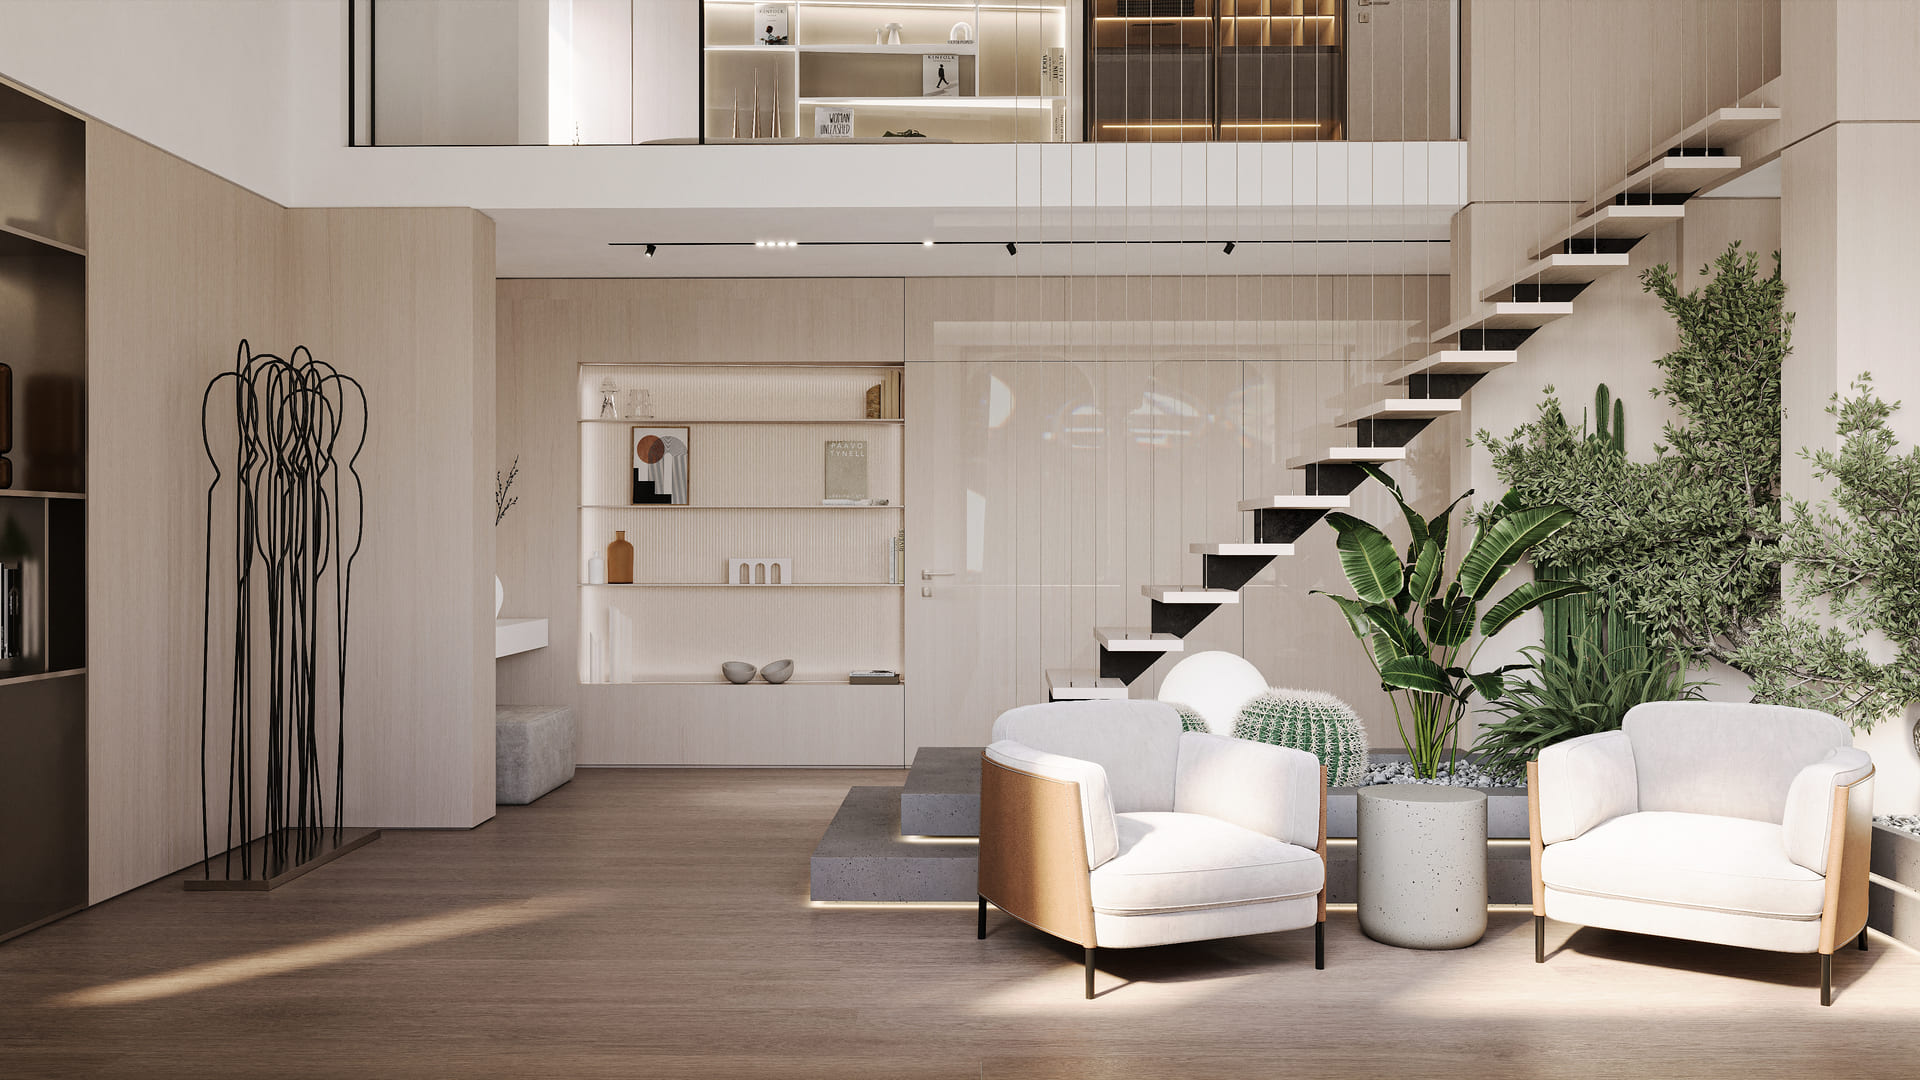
<point x="739" y="671"/>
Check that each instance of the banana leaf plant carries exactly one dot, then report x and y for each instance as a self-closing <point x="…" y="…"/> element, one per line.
<point x="1415" y="624"/>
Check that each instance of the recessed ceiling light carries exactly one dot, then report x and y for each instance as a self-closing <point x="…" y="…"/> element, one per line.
<point x="926" y="243"/>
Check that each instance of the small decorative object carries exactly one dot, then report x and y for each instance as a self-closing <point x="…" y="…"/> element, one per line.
<point x="761" y="571"/>
<point x="597" y="571"/>
<point x="1190" y="718"/>
<point x="873" y="402"/>
<point x="846" y="480"/>
<point x="6" y="426"/>
<point x="1318" y="723"/>
<point x="961" y="34"/>
<point x="832" y="122"/>
<point x="770" y="24"/>
<point x="893" y="32"/>
<point x="940" y="75"/>
<point x="14" y="549"/>
<point x="734" y="113"/>
<point x="738" y="672"/>
<point x="619" y="646"/>
<point x="754" y="132"/>
<point x="777" y="672"/>
<point x="499" y="596"/>
<point x="659" y="467"/>
<point x="907" y="134"/>
<point x="607" y="391"/>
<point x="503" y="501"/>
<point x="875" y="677"/>
<point x="639" y="404"/>
<point x="620" y="560"/>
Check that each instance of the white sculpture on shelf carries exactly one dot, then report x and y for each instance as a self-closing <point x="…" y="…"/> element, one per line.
<point x="760" y="571"/>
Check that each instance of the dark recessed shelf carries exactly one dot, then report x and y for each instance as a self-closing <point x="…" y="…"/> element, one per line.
<point x="40" y="676"/>
<point x="15" y="240"/>
<point x="13" y="493"/>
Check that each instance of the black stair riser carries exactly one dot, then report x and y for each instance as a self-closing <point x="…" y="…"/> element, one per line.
<point x="1651" y="198"/>
<point x="1598" y="245"/>
<point x="1396" y="432"/>
<point x="1431" y="387"/>
<point x="1231" y="571"/>
<point x="1482" y="340"/>
<point x="1279" y="526"/>
<point x="1126" y="666"/>
<point x="1551" y="293"/>
<point x="1333" y="479"/>
<point x="1696" y="151"/>
<point x="1179" y="619"/>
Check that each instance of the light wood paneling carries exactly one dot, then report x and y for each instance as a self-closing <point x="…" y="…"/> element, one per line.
<point x="754" y="724"/>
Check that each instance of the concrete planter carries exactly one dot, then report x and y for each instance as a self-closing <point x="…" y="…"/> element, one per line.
<point x="1893" y="896"/>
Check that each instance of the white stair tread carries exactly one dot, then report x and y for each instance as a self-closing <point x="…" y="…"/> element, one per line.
<point x="1560" y="268"/>
<point x="1669" y="176"/>
<point x="1241" y="549"/>
<point x="1180" y="594"/>
<point x="1080" y="684"/>
<point x="1613" y="223"/>
<point x="1401" y="409"/>
<point x="1720" y="127"/>
<point x="1455" y="362"/>
<point x="1137" y="639"/>
<point x="1348" y="455"/>
<point x="1297" y="502"/>
<point x="1508" y="315"/>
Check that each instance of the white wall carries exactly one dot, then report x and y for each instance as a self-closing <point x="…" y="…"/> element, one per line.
<point x="461" y="72"/>
<point x="204" y="79"/>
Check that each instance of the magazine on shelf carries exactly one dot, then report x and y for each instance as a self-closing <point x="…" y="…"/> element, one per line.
<point x="770" y="24"/>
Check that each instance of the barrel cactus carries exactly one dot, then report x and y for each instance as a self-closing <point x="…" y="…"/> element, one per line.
<point x="1190" y="718"/>
<point x="1318" y="723"/>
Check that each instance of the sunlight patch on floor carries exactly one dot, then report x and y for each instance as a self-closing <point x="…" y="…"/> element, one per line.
<point x="333" y="950"/>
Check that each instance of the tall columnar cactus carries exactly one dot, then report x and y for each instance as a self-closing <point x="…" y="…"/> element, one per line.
<point x="1318" y="723"/>
<point x="1609" y="428"/>
<point x="1190" y="718"/>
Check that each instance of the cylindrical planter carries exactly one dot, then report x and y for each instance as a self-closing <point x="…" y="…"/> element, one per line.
<point x="1423" y="865"/>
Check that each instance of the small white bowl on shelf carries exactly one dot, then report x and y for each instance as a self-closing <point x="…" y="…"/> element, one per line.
<point x="738" y="672"/>
<point x="777" y="672"/>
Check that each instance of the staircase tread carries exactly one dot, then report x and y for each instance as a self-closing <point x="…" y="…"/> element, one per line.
<point x="1240" y="548"/>
<point x="1137" y="639"/>
<point x="949" y="771"/>
<point x="1348" y="455"/>
<point x="1400" y="409"/>
<point x="1561" y="268"/>
<point x="1297" y="502"/>
<point x="1455" y="362"/>
<point x="867" y="826"/>
<point x="1183" y="594"/>
<point x="1718" y="128"/>
<point x="1508" y="315"/>
<point x="1076" y="684"/>
<point x="1669" y="176"/>
<point x="1614" y="223"/>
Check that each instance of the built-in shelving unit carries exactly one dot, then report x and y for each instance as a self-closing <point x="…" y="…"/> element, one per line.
<point x="1012" y="80"/>
<point x="43" y="513"/>
<point x="756" y="440"/>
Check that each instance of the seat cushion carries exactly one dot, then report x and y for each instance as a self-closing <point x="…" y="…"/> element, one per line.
<point x="1191" y="862"/>
<point x="1725" y="864"/>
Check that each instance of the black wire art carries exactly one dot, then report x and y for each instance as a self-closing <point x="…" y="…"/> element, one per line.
<point x="283" y="436"/>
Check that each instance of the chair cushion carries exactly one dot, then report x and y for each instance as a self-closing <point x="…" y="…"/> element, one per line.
<point x="1136" y="742"/>
<point x="1189" y="862"/>
<point x="1726" y="758"/>
<point x="1725" y="864"/>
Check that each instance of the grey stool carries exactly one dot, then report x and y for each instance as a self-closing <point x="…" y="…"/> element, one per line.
<point x="1423" y="865"/>
<point x="532" y="751"/>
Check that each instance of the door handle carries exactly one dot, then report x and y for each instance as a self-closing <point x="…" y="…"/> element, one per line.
<point x="929" y="575"/>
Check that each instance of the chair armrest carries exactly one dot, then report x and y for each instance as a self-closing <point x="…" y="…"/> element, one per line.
<point x="1096" y="800"/>
<point x="1808" y="823"/>
<point x="1275" y="790"/>
<point x="1583" y="782"/>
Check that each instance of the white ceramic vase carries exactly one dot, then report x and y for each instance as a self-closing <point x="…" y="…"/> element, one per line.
<point x="499" y="596"/>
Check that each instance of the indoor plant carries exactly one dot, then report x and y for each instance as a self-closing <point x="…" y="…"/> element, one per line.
<point x="1415" y="624"/>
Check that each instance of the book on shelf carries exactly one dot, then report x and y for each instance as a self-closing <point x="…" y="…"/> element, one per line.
<point x="876" y="677"/>
<point x="770" y="24"/>
<point x="940" y="75"/>
<point x="1053" y="72"/>
<point x="846" y="472"/>
<point x="889" y="400"/>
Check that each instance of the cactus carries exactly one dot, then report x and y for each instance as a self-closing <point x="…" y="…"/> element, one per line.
<point x="1609" y="427"/>
<point x="1190" y="718"/>
<point x="1318" y="723"/>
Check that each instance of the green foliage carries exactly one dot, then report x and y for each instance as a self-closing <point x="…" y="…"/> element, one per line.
<point x="1190" y="718"/>
<point x="1414" y="623"/>
<point x="1318" y="723"/>
<point x="1579" y="694"/>
<point x="1688" y="545"/>
<point x="1858" y="558"/>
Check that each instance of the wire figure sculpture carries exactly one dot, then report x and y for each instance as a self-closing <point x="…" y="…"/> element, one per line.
<point x="284" y="437"/>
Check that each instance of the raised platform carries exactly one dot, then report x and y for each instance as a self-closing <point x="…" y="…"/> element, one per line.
<point x="865" y="858"/>
<point x="942" y="793"/>
<point x="1893" y="892"/>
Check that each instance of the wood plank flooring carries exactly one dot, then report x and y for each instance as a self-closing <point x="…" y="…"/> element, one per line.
<point x="654" y="923"/>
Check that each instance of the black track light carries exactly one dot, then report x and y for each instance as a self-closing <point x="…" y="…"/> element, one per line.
<point x="649" y="251"/>
<point x="1228" y="250"/>
<point x="1013" y="248"/>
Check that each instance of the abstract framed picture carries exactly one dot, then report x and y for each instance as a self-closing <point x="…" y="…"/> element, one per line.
<point x="659" y="466"/>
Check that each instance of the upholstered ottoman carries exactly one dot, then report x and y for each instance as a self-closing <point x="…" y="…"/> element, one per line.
<point x="532" y="751"/>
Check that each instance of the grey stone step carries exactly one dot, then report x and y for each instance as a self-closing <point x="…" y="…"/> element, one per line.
<point x="863" y="856"/>
<point x="1509" y="871"/>
<point x="942" y="793"/>
<point x="1893" y="896"/>
<point x="1506" y="813"/>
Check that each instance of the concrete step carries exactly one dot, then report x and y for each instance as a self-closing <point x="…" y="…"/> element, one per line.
<point x="863" y="857"/>
<point x="942" y="794"/>
<point x="1509" y="872"/>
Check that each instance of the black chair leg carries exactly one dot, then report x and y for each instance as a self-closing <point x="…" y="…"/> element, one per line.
<point x="1319" y="946"/>
<point x="1089" y="973"/>
<point x="1539" y="939"/>
<point x="1826" y="978"/>
<point x="1863" y="939"/>
<point x="983" y="919"/>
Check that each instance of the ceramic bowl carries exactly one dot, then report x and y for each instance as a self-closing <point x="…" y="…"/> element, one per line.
<point x="777" y="672"/>
<point x="737" y="671"/>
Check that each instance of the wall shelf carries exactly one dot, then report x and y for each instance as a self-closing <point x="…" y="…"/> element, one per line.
<point x="41" y="676"/>
<point x="511" y="636"/>
<point x="662" y="506"/>
<point x="15" y="240"/>
<point x="14" y="493"/>
<point x="730" y="585"/>
<point x="739" y="423"/>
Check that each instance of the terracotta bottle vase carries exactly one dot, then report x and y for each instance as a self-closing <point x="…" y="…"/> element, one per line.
<point x="620" y="560"/>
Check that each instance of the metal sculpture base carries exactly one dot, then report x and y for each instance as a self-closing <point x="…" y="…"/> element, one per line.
<point x="272" y="873"/>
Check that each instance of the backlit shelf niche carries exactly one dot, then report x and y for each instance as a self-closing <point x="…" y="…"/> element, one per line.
<point x="1010" y="88"/>
<point x="756" y="438"/>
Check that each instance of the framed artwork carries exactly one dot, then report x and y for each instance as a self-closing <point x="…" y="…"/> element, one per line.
<point x="659" y="466"/>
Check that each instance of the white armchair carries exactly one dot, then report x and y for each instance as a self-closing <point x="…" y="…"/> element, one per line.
<point x="1101" y="822"/>
<point x="1746" y="825"/>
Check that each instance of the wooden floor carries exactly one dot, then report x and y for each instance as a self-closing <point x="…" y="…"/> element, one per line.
<point x="641" y="923"/>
